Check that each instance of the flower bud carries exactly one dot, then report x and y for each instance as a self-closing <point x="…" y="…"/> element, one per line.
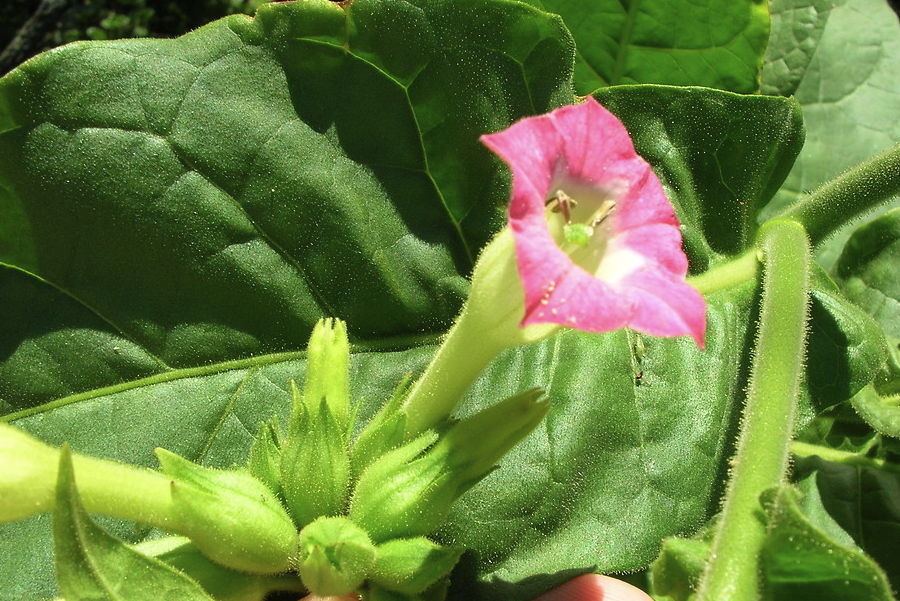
<point x="232" y="517"/>
<point x="328" y="370"/>
<point x="412" y="565"/>
<point x="315" y="462"/>
<point x="315" y="465"/>
<point x="335" y="556"/>
<point x="408" y="492"/>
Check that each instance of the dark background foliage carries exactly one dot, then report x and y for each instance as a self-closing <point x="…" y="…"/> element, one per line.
<point x="28" y="27"/>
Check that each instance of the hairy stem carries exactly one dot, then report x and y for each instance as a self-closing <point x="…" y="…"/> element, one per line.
<point x="857" y="191"/>
<point x="763" y="449"/>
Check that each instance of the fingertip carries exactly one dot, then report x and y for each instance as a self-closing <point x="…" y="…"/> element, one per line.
<point x="594" y="587"/>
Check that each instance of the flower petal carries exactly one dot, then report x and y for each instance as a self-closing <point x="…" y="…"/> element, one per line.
<point x="639" y="281"/>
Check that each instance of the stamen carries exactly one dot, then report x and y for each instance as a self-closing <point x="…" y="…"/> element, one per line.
<point x="606" y="207"/>
<point x="564" y="202"/>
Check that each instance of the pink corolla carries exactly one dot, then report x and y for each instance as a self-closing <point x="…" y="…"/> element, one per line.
<point x="598" y="245"/>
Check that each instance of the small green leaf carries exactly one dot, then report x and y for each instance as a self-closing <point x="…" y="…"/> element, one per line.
<point x="92" y="565"/>
<point x="862" y="501"/>
<point x="676" y="572"/>
<point x="867" y="270"/>
<point x="846" y="348"/>
<point x="807" y="557"/>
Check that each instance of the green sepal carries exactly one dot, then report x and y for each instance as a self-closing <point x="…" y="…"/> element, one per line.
<point x="315" y="465"/>
<point x="412" y="565"/>
<point x="384" y="432"/>
<point x="403" y="493"/>
<point x="92" y="565"/>
<point x="232" y="517"/>
<point x="264" y="462"/>
<point x="335" y="556"/>
<point x="408" y="492"/>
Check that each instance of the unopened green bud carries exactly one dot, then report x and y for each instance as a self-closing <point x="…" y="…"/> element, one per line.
<point x="408" y="492"/>
<point x="28" y="477"/>
<point x="232" y="517"/>
<point x="474" y="445"/>
<point x="328" y="371"/>
<point x="335" y="556"/>
<point x="315" y="462"/>
<point x="412" y="565"/>
<point x="315" y="466"/>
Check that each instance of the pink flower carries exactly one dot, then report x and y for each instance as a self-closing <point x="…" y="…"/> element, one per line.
<point x="597" y="242"/>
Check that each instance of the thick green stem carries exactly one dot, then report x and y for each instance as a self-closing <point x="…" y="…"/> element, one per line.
<point x="28" y="484"/>
<point x="857" y="191"/>
<point x="763" y="448"/>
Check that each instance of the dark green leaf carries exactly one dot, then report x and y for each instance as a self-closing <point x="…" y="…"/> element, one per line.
<point x="92" y="565"/>
<point x="717" y="44"/>
<point x="846" y="348"/>
<point x="179" y="202"/>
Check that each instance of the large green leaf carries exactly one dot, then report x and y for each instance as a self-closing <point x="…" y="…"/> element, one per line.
<point x="631" y="452"/>
<point x="844" y="74"/>
<point x="180" y="202"/>
<point x="717" y="44"/>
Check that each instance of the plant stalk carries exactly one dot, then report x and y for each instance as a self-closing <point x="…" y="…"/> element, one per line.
<point x="762" y="456"/>
<point x="857" y="191"/>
